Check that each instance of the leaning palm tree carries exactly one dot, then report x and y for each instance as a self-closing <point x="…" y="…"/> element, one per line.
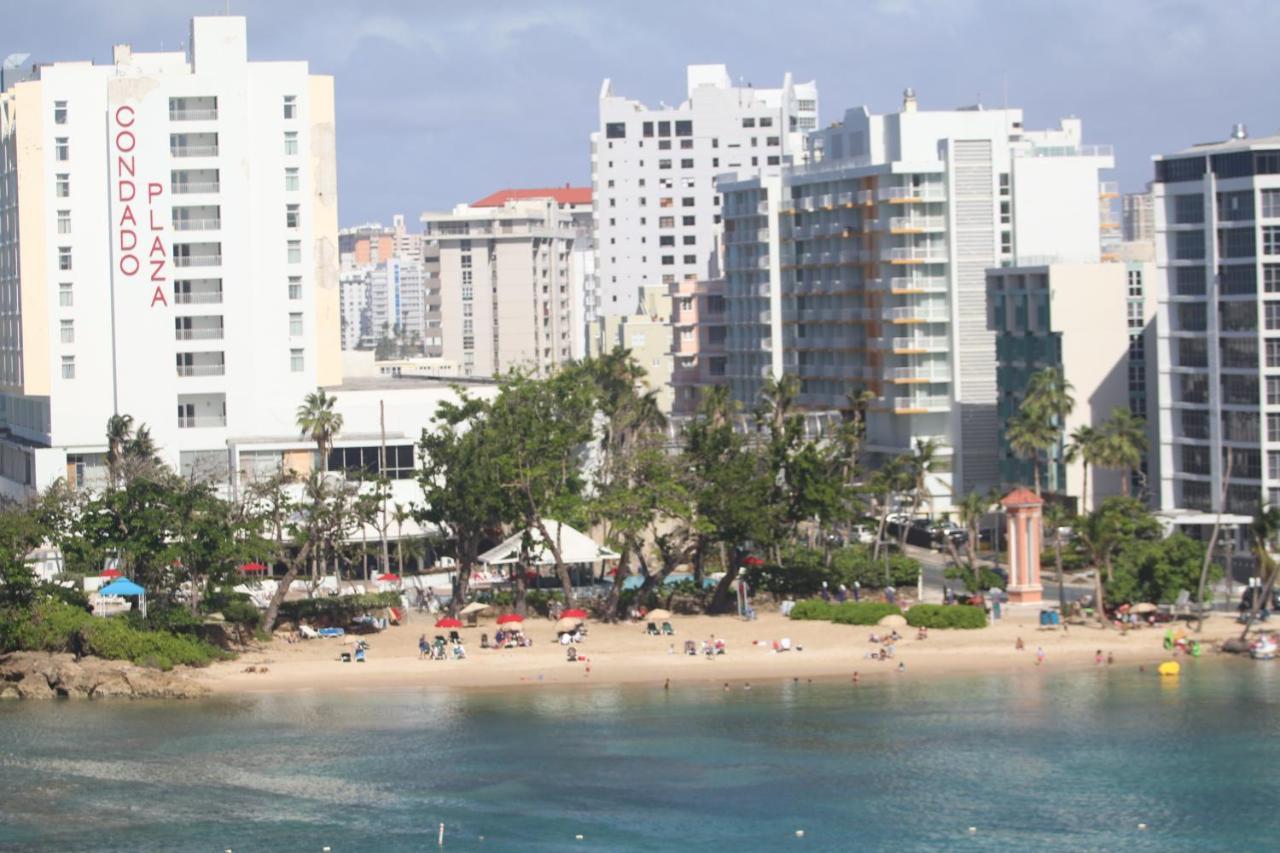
<point x="973" y="507"/>
<point x="924" y="461"/>
<point x="318" y="421"/>
<point x="1087" y="445"/>
<point x="1124" y="444"/>
<point x="1263" y="531"/>
<point x="119" y="434"/>
<point x="1049" y="397"/>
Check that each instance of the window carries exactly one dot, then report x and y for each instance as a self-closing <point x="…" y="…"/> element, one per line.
<point x="690" y="259"/>
<point x="1239" y="352"/>
<point x="295" y="360"/>
<point x="690" y="240"/>
<point x="1188" y="209"/>
<point x="1238" y="316"/>
<point x="62" y="186"/>
<point x="1189" y="245"/>
<point x="295" y="287"/>
<point x="66" y="297"/>
<point x="1195" y="423"/>
<point x="1271" y="314"/>
<point x="687" y="201"/>
<point x="664" y="144"/>
<point x="667" y="240"/>
<point x="1270" y="239"/>
<point x="295" y="324"/>
<point x="292" y="215"/>
<point x="62" y="149"/>
<point x="1236" y="206"/>
<point x="1273" y="427"/>
<point x="688" y="220"/>
<point x="59" y="112"/>
<point x="748" y="122"/>
<point x="772" y="140"/>
<point x="773" y="160"/>
<point x="1237" y="242"/>
<point x="1270" y="204"/>
<point x="1273" y="390"/>
<point x="1240" y="390"/>
<point x="684" y="128"/>
<point x="1189" y="281"/>
<point x="686" y="163"/>
<point x="64" y="257"/>
<point x="668" y="260"/>
<point x="664" y="164"/>
<point x="615" y="130"/>
<point x="667" y="222"/>
<point x="664" y="128"/>
<point x="295" y="251"/>
<point x="1271" y="278"/>
<point x="68" y="367"/>
<point x="64" y="222"/>
<point x="1135" y="283"/>
<point x="291" y="179"/>
<point x="291" y="142"/>
<point x="1273" y="352"/>
<point x="67" y="331"/>
<point x="1238" y="279"/>
<point x="290" y="106"/>
<point x="647" y="129"/>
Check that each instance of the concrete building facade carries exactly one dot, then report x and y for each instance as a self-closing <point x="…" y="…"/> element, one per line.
<point x="866" y="268"/>
<point x="647" y="336"/>
<point x="656" y="206"/>
<point x="1217" y="224"/>
<point x="698" y="334"/>
<point x="506" y="281"/>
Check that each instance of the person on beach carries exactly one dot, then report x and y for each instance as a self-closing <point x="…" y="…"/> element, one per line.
<point x="902" y="667"/>
<point x="423" y="646"/>
<point x="857" y="590"/>
<point x="1097" y="658"/>
<point x="1019" y="645"/>
<point x="855" y="677"/>
<point x="1039" y="655"/>
<point x="667" y="684"/>
<point x="1111" y="658"/>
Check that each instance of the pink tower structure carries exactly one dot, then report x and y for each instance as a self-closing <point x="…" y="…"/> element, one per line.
<point x="1024" y="527"/>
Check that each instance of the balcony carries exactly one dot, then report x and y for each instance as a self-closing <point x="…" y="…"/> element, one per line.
<point x="202" y="411"/>
<point x="907" y="285"/>
<point x="916" y="224"/>
<point x="194" y="150"/>
<point x="909" y="375"/>
<point x="919" y="343"/>
<point x="915" y="254"/>
<point x="197" y="224"/>
<point x="209" y="369"/>
<point x="203" y="108"/>
<point x="197" y="254"/>
<point x="917" y="314"/>
<point x="910" y="195"/>
<point x="200" y="291"/>
<point x="921" y="405"/>
<point x="198" y="334"/>
<point x="201" y="421"/>
<point x="192" y="187"/>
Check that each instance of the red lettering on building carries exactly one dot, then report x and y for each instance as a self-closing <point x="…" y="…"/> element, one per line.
<point x="158" y="296"/>
<point x="124" y="142"/>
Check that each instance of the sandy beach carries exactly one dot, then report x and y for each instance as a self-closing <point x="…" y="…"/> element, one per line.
<point x="624" y="654"/>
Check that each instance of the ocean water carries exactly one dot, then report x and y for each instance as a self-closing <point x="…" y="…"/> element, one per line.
<point x="1035" y="761"/>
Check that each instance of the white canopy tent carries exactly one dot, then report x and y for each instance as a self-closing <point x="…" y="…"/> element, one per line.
<point x="574" y="546"/>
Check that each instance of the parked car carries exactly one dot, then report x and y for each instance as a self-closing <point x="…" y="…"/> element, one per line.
<point x="863" y="534"/>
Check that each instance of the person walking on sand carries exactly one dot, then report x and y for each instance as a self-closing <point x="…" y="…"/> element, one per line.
<point x="1097" y="658"/>
<point x="857" y="590"/>
<point x="1019" y="645"/>
<point x="1039" y="655"/>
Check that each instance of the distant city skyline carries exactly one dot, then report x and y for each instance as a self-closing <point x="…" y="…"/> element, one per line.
<point x="444" y="104"/>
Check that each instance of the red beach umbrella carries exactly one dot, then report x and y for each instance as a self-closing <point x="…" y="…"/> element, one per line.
<point x="110" y="573"/>
<point x="508" y="618"/>
<point x="389" y="577"/>
<point x="575" y="613"/>
<point x="753" y="561"/>
<point x="253" y="567"/>
<point x="449" y="622"/>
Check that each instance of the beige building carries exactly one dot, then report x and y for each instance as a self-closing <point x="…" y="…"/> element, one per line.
<point x="506" y="285"/>
<point x="647" y="335"/>
<point x="1072" y="317"/>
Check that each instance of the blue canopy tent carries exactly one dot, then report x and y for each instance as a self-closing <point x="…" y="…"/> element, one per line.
<point x="125" y="588"/>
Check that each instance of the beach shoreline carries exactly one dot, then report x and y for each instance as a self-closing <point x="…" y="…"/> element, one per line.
<point x="623" y="655"/>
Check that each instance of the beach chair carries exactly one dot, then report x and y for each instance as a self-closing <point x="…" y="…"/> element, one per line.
<point x="667" y="629"/>
<point x="571" y="654"/>
<point x="359" y="654"/>
<point x="331" y="633"/>
<point x="345" y="657"/>
<point x="652" y="629"/>
<point x="308" y="633"/>
<point x="484" y="641"/>
<point x="459" y="652"/>
<point x="690" y="648"/>
<point x="454" y="638"/>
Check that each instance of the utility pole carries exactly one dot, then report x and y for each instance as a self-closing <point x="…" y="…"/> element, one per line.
<point x="382" y="474"/>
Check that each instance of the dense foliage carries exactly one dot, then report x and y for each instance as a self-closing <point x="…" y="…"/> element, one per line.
<point x="337" y="610"/>
<point x="986" y="580"/>
<point x="946" y="616"/>
<point x="803" y="571"/>
<point x="847" y="613"/>
<point x="1156" y="570"/>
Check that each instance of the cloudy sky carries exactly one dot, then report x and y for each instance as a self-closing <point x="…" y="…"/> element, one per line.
<point x="443" y="102"/>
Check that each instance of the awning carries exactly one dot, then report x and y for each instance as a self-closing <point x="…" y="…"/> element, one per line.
<point x="575" y="547"/>
<point x="122" y="587"/>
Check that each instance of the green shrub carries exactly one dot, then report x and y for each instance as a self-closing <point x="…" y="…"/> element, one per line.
<point x="854" y="563"/>
<point x="863" y="612"/>
<point x="241" y="613"/>
<point x="946" y="616"/>
<point x="339" y="610"/>
<point x="812" y="608"/>
<point x="803" y="571"/>
<point x="539" y="600"/>
<point x="964" y="575"/>
<point x="115" y="639"/>
<point x="848" y="613"/>
<point x="47" y="626"/>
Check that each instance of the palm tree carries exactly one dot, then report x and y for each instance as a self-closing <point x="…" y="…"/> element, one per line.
<point x="1124" y="444"/>
<point x="1048" y="397"/>
<point x="318" y="421"/>
<point x="1263" y="532"/>
<point x="119" y="434"/>
<point x="1055" y="516"/>
<point x="401" y="515"/>
<point x="972" y="508"/>
<point x="1087" y="445"/>
<point x="1100" y="537"/>
<point x="1029" y="434"/>
<point x="924" y="460"/>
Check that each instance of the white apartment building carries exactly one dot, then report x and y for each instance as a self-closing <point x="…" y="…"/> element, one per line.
<point x="356" y="311"/>
<point x="656" y="206"/>
<point x="398" y="300"/>
<point x="1217" y="226"/>
<point x="506" y="285"/>
<point x="169" y="250"/>
<point x="866" y="268"/>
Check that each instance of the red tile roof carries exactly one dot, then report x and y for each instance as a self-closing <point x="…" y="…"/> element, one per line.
<point x="1021" y="497"/>
<point x="562" y="195"/>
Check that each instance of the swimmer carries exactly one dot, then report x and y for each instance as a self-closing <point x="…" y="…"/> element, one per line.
<point x="855" y="678"/>
<point x="667" y="686"/>
<point x="747" y="686"/>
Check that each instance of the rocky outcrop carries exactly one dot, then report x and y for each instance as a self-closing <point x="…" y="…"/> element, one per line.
<point x="37" y="675"/>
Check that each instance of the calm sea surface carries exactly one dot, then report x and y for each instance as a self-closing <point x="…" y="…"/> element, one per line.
<point x="1038" y="761"/>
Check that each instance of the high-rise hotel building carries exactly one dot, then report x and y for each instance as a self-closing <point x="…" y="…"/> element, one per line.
<point x="169" y="250"/>
<point x="865" y="269"/>
<point x="1217" y="230"/>
<point x="656" y="206"/>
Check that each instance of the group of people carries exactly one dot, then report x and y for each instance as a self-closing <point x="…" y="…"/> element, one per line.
<point x="506" y="638"/>
<point x="708" y="648"/>
<point x="843" y="593"/>
<point x="888" y="644"/>
<point x="442" y="649"/>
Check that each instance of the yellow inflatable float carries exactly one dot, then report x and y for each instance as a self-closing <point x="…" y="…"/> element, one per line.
<point x="1170" y="669"/>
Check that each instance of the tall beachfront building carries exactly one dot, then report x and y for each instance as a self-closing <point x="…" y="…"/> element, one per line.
<point x="864" y="270"/>
<point x="507" y="281"/>
<point x="1217" y="227"/>
<point x="653" y="169"/>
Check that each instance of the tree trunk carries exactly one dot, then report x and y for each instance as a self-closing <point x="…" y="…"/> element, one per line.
<point x="1057" y="559"/>
<point x="1265" y="598"/>
<point x="273" y="607"/>
<point x="1100" y="609"/>
<point x="699" y="561"/>
<point x="1124" y="481"/>
<point x="1035" y="473"/>
<point x="461" y="582"/>
<point x="1084" y="490"/>
<point x="880" y="526"/>
<point x="521" y="587"/>
<point x="619" y="578"/>
<point x="720" y="600"/>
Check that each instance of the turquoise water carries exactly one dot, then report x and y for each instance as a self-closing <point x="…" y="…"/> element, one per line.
<point x="1038" y="761"/>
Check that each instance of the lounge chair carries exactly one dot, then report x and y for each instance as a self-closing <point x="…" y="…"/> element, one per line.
<point x="571" y="654"/>
<point x="330" y="633"/>
<point x="359" y="655"/>
<point x="345" y="657"/>
<point x="690" y="647"/>
<point x="667" y="629"/>
<point x="484" y="641"/>
<point x="459" y="652"/>
<point x="652" y="629"/>
<point x="308" y="633"/>
<point x="454" y="638"/>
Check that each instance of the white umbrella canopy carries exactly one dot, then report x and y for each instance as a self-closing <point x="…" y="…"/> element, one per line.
<point x="575" y="547"/>
<point x="658" y="614"/>
<point x="473" y="607"/>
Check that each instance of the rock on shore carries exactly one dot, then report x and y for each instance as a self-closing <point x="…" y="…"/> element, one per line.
<point x="39" y="675"/>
